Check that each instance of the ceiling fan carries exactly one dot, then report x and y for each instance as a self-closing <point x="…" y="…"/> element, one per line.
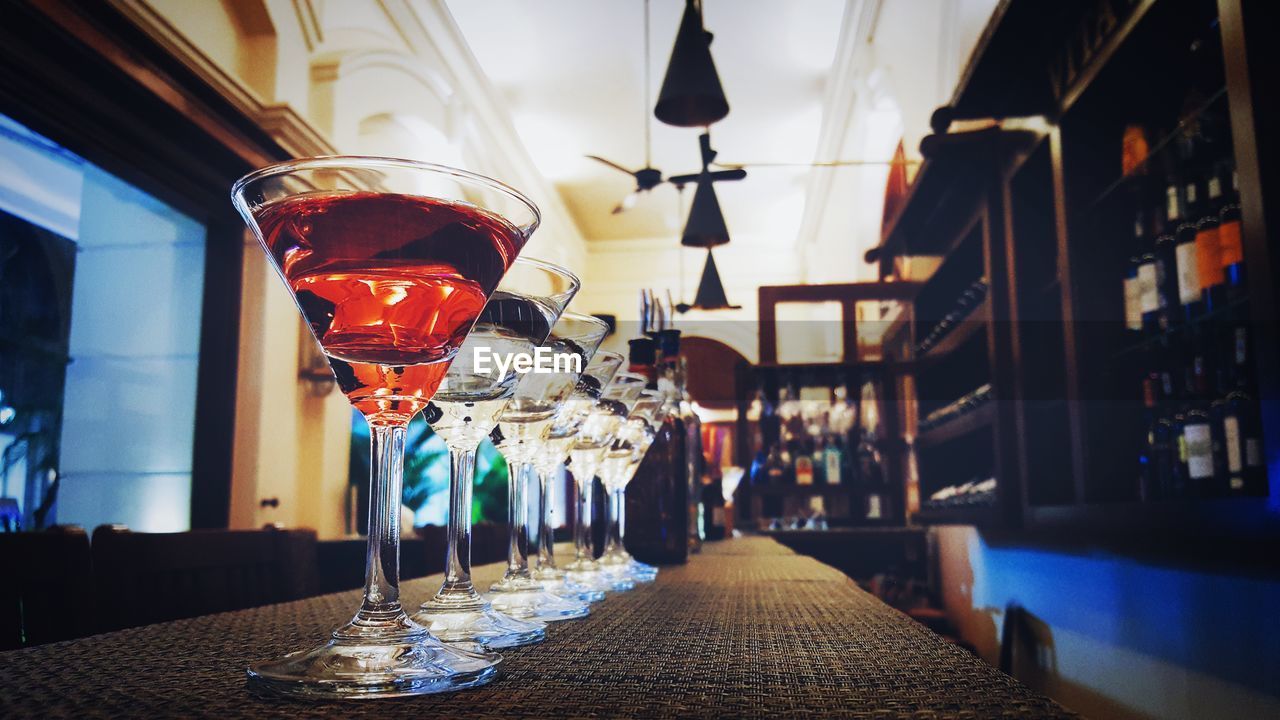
<point x="647" y="177"/>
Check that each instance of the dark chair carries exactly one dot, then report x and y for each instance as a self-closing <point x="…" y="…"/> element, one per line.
<point x="143" y="578"/>
<point x="488" y="543"/>
<point x="434" y="540"/>
<point x="45" y="583"/>
<point x="341" y="562"/>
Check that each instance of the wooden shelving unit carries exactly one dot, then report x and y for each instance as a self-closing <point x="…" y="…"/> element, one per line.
<point x="1037" y="213"/>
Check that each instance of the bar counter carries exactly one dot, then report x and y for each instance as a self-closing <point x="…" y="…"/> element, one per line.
<point x="746" y="629"/>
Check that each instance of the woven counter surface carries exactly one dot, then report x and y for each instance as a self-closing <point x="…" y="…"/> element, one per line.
<point x="746" y="629"/>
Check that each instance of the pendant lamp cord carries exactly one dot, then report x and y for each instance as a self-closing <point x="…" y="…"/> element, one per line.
<point x="648" y="121"/>
<point x="680" y="248"/>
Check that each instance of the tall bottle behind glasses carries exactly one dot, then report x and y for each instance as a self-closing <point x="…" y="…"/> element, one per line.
<point x="673" y="382"/>
<point x="657" y="498"/>
<point x="871" y="473"/>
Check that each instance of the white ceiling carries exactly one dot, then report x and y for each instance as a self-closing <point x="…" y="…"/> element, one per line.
<point x="572" y="74"/>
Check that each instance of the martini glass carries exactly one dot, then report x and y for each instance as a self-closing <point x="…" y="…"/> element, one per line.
<point x="620" y="464"/>
<point x="390" y="262"/>
<point x="522" y="428"/>
<point x="594" y="438"/>
<point x="550" y="454"/>
<point x="465" y="409"/>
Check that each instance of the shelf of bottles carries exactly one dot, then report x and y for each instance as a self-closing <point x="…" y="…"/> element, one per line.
<point x="1173" y="413"/>
<point x="953" y="441"/>
<point x="821" y="449"/>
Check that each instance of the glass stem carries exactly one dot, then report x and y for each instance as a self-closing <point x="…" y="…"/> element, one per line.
<point x="582" y="550"/>
<point x="458" y="588"/>
<point x="614" y="536"/>
<point x="546" y="522"/>
<point x="381" y="609"/>
<point x="518" y="516"/>
<point x="620" y="499"/>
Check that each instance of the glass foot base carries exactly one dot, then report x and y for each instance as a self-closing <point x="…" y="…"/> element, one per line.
<point x="483" y="625"/>
<point x="636" y="571"/>
<point x="405" y="663"/>
<point x="561" y="586"/>
<point x="538" y="605"/>
<point x="593" y="577"/>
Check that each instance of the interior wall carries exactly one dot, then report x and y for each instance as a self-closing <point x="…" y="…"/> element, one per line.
<point x="1117" y="638"/>
<point x="325" y="77"/>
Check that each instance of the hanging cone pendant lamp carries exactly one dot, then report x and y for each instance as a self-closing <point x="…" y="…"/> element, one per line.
<point x="691" y="94"/>
<point x="710" y="290"/>
<point x="705" y="226"/>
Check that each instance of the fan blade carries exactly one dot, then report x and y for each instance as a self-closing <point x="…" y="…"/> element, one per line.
<point x="716" y="176"/>
<point x="611" y="164"/>
<point x="627" y="203"/>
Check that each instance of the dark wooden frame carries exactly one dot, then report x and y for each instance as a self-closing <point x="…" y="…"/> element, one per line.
<point x="847" y="294"/>
<point x="83" y="75"/>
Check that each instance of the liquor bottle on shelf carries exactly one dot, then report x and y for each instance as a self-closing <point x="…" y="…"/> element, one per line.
<point x="1197" y="431"/>
<point x="777" y="470"/>
<point x="815" y="402"/>
<point x="1141" y="293"/>
<point x="964" y="305"/>
<point x="1147" y="460"/>
<point x="1186" y="256"/>
<point x="715" y="523"/>
<point x="804" y="469"/>
<point x="1241" y="423"/>
<point x="1132" y="296"/>
<point x="1209" y="268"/>
<point x="1180" y="380"/>
<point x="841" y="419"/>
<point x="1230" y="243"/>
<point x="1163" y="442"/>
<point x="1164" y="257"/>
<point x="872" y="479"/>
<point x="712" y="492"/>
<point x="657" y="502"/>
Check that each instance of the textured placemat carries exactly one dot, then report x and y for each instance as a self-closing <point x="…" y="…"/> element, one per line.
<point x="746" y="629"/>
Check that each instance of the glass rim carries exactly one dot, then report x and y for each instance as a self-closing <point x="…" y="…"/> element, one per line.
<point x="629" y="376"/>
<point x="574" y="281"/>
<point x="583" y="318"/>
<point x="606" y="354"/>
<point x="347" y="161"/>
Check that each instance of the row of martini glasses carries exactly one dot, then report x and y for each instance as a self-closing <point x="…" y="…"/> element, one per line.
<point x="407" y="274"/>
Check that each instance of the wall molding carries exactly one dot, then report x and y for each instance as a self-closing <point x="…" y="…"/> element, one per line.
<point x="281" y="121"/>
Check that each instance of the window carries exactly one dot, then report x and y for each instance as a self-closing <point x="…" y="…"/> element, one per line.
<point x="101" y="289"/>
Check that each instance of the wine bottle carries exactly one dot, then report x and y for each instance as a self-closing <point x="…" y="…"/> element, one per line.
<point x="1209" y="268"/>
<point x="1197" y="433"/>
<point x="1185" y="253"/>
<point x="657" y="501"/>
<point x="1147" y="461"/>
<point x="1230" y="243"/>
<point x="1141" y="290"/>
<point x="1164" y="444"/>
<point x="1242" y="438"/>
<point x="1132" y="297"/>
<point x="675" y="368"/>
<point x="1165" y="260"/>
